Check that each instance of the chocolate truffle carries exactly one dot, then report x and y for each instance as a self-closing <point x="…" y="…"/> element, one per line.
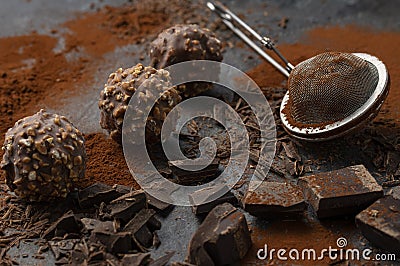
<point x="184" y="43"/>
<point x="118" y="91"/>
<point x="44" y="154"/>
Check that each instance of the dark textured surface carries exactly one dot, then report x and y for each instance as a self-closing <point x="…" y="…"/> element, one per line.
<point x="21" y="17"/>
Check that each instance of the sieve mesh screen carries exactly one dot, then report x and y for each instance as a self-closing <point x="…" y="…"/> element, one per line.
<point x="329" y="87"/>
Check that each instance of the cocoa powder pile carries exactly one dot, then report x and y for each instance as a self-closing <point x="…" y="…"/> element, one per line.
<point x="36" y="69"/>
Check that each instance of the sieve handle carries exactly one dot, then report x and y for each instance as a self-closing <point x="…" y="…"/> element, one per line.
<point x="228" y="17"/>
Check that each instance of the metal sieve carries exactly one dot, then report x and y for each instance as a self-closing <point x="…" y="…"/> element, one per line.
<point x="329" y="95"/>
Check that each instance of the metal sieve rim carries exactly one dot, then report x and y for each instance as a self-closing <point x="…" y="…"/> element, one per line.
<point x="366" y="112"/>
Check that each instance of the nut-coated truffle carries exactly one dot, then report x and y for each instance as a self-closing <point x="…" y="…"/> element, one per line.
<point x="185" y="43"/>
<point x="44" y="155"/>
<point x="118" y="91"/>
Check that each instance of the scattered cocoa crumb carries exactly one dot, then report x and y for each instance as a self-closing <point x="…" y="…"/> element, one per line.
<point x="283" y="22"/>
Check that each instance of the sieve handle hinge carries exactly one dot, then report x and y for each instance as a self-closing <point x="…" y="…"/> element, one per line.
<point x="228" y="17"/>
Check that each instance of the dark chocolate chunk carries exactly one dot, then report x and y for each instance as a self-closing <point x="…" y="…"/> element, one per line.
<point x="341" y="192"/>
<point x="163" y="260"/>
<point x="291" y="151"/>
<point x="61" y="248"/>
<point x="153" y="223"/>
<point x="44" y="156"/>
<point x="89" y="224"/>
<point x="200" y="196"/>
<point x="380" y="223"/>
<point x="273" y="199"/>
<point x="107" y="226"/>
<point x="187" y="177"/>
<point x="114" y="242"/>
<point x="67" y="223"/>
<point x="139" y="227"/>
<point x="137" y="259"/>
<point x="99" y="192"/>
<point x="96" y="256"/>
<point x="77" y="257"/>
<point x="163" y="208"/>
<point x="126" y="206"/>
<point x="178" y="263"/>
<point x="118" y="91"/>
<point x="223" y="238"/>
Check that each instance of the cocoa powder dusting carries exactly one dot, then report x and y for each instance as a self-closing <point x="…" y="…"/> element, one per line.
<point x="29" y="70"/>
<point x="39" y="70"/>
<point x="110" y="27"/>
<point x="33" y="71"/>
<point x="106" y="162"/>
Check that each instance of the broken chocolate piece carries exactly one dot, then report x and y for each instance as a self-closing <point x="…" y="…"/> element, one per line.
<point x="163" y="260"/>
<point x="77" y="257"/>
<point x="140" y="226"/>
<point x="291" y="151"/>
<point x="187" y="177"/>
<point x="96" y="256"/>
<point x="89" y="223"/>
<point x="176" y="263"/>
<point x="273" y="199"/>
<point x="126" y="206"/>
<point x="380" y="223"/>
<point x="60" y="248"/>
<point x="67" y="223"/>
<point x="163" y="208"/>
<point x="341" y="192"/>
<point x="137" y="259"/>
<point x="223" y="238"/>
<point x="153" y="223"/>
<point x="203" y="195"/>
<point x="94" y="224"/>
<point x="98" y="193"/>
<point x="115" y="242"/>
